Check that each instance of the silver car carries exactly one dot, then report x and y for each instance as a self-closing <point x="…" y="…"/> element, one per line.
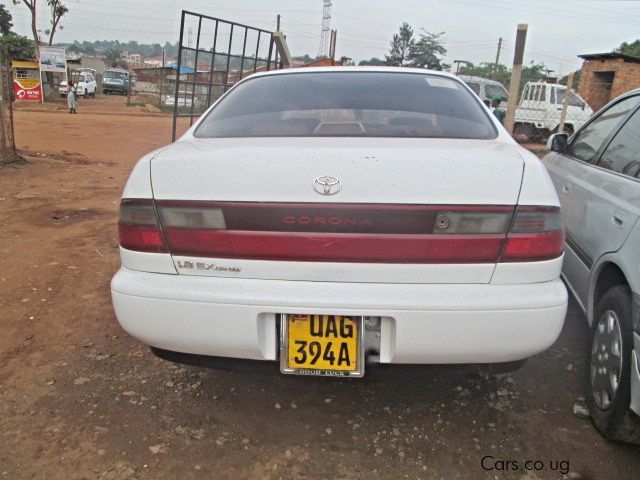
<point x="597" y="175"/>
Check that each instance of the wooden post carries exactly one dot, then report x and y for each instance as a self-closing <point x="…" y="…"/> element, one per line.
<point x="8" y="151"/>
<point x="332" y="46"/>
<point x="495" y="65"/>
<point x="516" y="72"/>
<point x="565" y="102"/>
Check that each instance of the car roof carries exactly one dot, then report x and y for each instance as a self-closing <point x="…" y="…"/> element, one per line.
<point x="342" y="69"/>
<point x="472" y="78"/>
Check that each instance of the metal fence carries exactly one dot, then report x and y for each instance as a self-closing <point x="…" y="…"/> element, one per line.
<point x="213" y="54"/>
<point x="540" y="110"/>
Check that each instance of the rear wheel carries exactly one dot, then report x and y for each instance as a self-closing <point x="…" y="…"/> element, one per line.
<point x="609" y="372"/>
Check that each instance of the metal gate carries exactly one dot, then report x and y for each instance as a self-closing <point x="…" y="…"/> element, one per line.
<point x="221" y="54"/>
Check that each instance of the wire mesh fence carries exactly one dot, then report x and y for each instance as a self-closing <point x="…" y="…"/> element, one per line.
<point x="546" y="108"/>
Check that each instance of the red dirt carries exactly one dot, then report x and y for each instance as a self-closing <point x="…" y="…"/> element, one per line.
<point x="80" y="399"/>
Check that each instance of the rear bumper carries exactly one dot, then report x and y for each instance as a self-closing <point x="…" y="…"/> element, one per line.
<point x="446" y="323"/>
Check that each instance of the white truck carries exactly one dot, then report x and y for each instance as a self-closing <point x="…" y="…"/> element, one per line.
<point x="538" y="113"/>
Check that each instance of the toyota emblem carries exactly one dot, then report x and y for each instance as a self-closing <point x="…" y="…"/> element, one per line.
<point x="327" y="185"/>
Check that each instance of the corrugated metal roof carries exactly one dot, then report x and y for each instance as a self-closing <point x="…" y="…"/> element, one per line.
<point x="609" y="56"/>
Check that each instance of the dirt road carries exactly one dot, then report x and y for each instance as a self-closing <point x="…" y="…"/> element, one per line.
<point x="79" y="399"/>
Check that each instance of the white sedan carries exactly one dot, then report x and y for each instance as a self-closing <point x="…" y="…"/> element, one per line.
<point x="331" y="218"/>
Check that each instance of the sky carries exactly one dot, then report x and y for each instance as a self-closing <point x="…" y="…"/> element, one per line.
<point x="559" y="30"/>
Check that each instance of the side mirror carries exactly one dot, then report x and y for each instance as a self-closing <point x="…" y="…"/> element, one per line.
<point x="557" y="142"/>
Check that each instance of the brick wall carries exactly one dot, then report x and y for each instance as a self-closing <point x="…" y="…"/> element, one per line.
<point x="603" y="80"/>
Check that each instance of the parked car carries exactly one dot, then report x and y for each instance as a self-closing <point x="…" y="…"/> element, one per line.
<point x="597" y="174"/>
<point x="333" y="217"/>
<point x="540" y="108"/>
<point x="115" y="80"/>
<point x="84" y="82"/>
<point x="184" y="100"/>
<point x="487" y="89"/>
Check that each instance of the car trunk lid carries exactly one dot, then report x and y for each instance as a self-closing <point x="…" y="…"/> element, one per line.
<point x="410" y="210"/>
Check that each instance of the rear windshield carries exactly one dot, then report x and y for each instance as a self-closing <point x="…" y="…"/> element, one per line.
<point x="574" y="100"/>
<point x="116" y="75"/>
<point x="367" y="104"/>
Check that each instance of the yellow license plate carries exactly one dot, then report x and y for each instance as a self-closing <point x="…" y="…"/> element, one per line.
<point x="321" y="345"/>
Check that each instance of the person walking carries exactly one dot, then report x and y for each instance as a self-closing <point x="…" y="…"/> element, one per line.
<point x="495" y="103"/>
<point x="72" y="101"/>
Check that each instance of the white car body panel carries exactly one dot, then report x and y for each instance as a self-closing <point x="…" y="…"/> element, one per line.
<point x="397" y="170"/>
<point x="420" y="323"/>
<point x="431" y="313"/>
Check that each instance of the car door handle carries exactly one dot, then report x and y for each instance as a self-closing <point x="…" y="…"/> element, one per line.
<point x="619" y="217"/>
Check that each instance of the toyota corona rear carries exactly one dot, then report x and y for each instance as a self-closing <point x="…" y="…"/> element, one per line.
<point x="329" y="219"/>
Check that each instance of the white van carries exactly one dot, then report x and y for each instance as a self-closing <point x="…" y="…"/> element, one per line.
<point x="540" y="107"/>
<point x="486" y="89"/>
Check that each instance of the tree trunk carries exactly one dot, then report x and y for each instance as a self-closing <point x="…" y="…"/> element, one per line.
<point x="53" y="29"/>
<point x="8" y="151"/>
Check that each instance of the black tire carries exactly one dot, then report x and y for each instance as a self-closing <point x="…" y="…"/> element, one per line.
<point x="615" y="421"/>
<point x="507" y="367"/>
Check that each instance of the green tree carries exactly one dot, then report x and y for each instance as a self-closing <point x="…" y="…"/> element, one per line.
<point x="32" y="7"/>
<point x="401" y="46"/>
<point x="576" y="79"/>
<point x="19" y="47"/>
<point x="58" y="10"/>
<point x="16" y="45"/>
<point x="113" y="57"/>
<point x="427" y="52"/>
<point x="488" y="70"/>
<point x="532" y="72"/>
<point x="6" y="21"/>
<point x="627" y="48"/>
<point x="375" y="61"/>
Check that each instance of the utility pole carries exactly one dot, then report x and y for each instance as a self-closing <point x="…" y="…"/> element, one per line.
<point x="332" y="46"/>
<point x="495" y="66"/>
<point x="8" y="151"/>
<point x="458" y="62"/>
<point x="323" y="51"/>
<point x="277" y="30"/>
<point x="516" y="73"/>
<point x="565" y="102"/>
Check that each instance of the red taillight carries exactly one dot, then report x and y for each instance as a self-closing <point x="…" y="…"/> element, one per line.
<point x="372" y="233"/>
<point x="138" y="227"/>
<point x="536" y="233"/>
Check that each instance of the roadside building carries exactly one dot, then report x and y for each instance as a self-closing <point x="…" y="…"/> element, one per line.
<point x="606" y="75"/>
<point x="26" y="80"/>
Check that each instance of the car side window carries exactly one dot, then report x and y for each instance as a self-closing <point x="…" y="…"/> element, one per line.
<point x="586" y="144"/>
<point x="622" y="155"/>
<point x="475" y="87"/>
<point x="495" y="91"/>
